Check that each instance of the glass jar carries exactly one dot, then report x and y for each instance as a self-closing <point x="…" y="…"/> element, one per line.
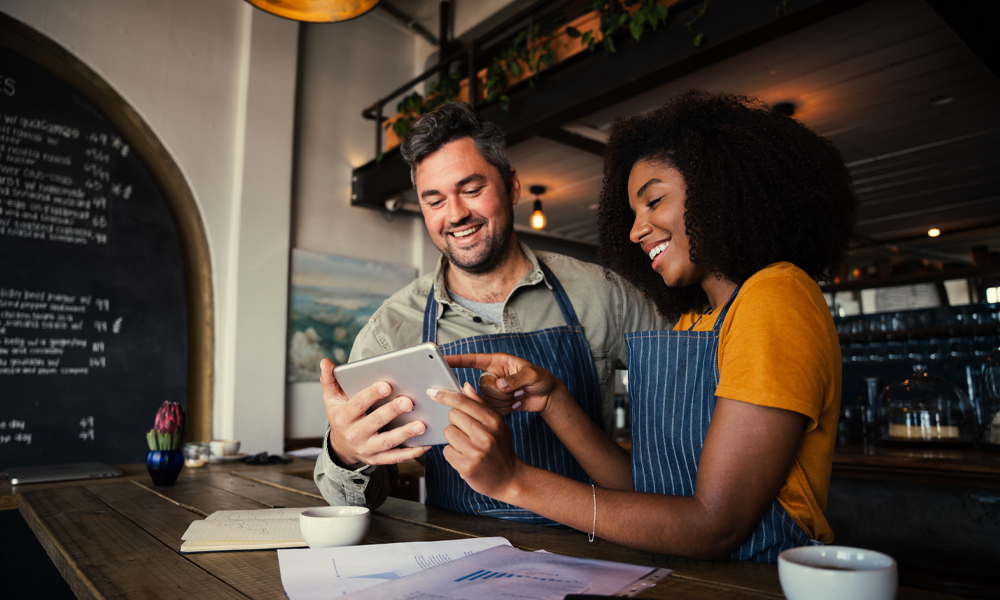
<point x="923" y="408"/>
<point x="991" y="398"/>
<point x="196" y="454"/>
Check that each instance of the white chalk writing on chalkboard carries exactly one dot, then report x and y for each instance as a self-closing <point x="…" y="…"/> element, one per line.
<point x="28" y="319"/>
<point x="41" y="205"/>
<point x="7" y="435"/>
<point x="87" y="428"/>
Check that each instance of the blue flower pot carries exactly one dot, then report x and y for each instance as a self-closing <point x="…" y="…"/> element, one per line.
<point x="164" y="465"/>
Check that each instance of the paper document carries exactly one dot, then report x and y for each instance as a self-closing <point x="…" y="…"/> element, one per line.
<point x="505" y="572"/>
<point x="245" y="530"/>
<point x="318" y="573"/>
<point x="305" y="452"/>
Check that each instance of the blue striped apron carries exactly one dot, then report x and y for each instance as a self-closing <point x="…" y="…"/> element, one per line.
<point x="672" y="378"/>
<point x="564" y="351"/>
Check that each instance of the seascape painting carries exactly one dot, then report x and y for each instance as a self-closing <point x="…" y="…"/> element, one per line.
<point x="332" y="299"/>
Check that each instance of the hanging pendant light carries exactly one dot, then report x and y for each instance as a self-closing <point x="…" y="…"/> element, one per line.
<point x="316" y="11"/>
<point x="538" y="217"/>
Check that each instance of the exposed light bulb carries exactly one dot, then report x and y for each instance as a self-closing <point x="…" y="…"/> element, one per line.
<point x="538" y="220"/>
<point x="934" y="232"/>
<point x="538" y="217"/>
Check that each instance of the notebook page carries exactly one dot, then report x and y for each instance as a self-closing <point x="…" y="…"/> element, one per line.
<point x="253" y="515"/>
<point x="254" y="530"/>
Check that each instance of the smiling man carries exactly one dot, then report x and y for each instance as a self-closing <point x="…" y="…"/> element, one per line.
<point x="489" y="293"/>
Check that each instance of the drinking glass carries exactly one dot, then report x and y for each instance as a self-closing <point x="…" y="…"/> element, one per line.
<point x="196" y="454"/>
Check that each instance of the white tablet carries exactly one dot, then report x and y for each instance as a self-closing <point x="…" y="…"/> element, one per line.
<point x="410" y="372"/>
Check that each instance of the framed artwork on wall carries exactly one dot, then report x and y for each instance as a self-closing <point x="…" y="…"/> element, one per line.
<point x="332" y="298"/>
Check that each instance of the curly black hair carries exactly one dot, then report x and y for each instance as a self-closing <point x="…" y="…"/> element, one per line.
<point x="761" y="188"/>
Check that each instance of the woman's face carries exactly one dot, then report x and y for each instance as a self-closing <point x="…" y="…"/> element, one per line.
<point x="656" y="193"/>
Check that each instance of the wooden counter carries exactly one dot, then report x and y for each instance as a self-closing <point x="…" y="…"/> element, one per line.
<point x="120" y="537"/>
<point x="951" y="464"/>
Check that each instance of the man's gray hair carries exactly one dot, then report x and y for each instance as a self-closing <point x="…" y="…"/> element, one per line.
<point x="451" y="122"/>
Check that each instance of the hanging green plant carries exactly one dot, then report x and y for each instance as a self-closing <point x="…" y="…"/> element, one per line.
<point x="649" y="12"/>
<point x="533" y="48"/>
<point x="409" y="109"/>
<point x="698" y="36"/>
<point x="646" y="13"/>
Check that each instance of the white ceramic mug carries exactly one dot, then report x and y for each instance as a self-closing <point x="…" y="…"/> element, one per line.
<point x="837" y="572"/>
<point x="224" y="447"/>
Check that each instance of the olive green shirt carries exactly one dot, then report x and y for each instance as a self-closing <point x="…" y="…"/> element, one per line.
<point x="606" y="305"/>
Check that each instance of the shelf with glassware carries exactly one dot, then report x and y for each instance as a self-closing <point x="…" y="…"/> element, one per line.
<point x="920" y="377"/>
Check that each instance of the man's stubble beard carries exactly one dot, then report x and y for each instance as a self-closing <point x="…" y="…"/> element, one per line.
<point x="494" y="251"/>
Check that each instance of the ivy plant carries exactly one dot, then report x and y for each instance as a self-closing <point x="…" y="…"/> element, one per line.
<point x="531" y="46"/>
<point x="442" y="91"/>
<point x="646" y="13"/>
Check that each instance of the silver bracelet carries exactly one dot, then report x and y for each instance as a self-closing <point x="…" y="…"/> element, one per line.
<point x="593" y="529"/>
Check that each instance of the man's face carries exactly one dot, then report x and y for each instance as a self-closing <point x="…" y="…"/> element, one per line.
<point x="468" y="213"/>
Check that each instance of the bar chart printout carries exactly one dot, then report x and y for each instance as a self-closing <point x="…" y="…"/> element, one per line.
<point x="322" y="573"/>
<point x="503" y="571"/>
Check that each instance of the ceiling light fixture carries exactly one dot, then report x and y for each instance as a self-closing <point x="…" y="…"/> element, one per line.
<point x="538" y="217"/>
<point x="941" y="100"/>
<point x="316" y="11"/>
<point x="934" y="232"/>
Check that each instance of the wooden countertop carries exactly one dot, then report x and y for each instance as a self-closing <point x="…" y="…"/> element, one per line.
<point x="951" y="464"/>
<point x="926" y="463"/>
<point x="106" y="536"/>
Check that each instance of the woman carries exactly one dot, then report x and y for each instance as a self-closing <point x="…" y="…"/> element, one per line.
<point x="738" y="210"/>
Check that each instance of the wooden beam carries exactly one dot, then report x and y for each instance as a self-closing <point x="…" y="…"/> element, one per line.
<point x="572" y="140"/>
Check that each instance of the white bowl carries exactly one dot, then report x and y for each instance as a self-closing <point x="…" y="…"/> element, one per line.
<point x="836" y="572"/>
<point x="330" y="526"/>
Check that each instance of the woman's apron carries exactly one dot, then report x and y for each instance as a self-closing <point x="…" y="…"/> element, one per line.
<point x="564" y="352"/>
<point x="672" y="378"/>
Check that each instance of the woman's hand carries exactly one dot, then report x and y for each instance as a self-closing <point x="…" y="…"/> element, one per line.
<point x="479" y="443"/>
<point x="511" y="383"/>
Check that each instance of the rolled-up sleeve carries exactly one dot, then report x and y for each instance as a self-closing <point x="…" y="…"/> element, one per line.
<point x="368" y="486"/>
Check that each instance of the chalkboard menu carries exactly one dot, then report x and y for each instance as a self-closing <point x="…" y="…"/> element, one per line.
<point x="93" y="310"/>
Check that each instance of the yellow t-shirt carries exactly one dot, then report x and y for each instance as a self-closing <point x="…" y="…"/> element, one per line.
<point x="778" y="347"/>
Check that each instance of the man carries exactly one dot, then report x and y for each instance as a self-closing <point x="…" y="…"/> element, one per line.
<point x="490" y="293"/>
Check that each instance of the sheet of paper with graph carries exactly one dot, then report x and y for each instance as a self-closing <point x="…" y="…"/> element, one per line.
<point x="506" y="572"/>
<point x="321" y="573"/>
<point x="227" y="530"/>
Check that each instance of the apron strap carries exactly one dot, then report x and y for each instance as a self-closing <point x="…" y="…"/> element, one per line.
<point x="430" y="318"/>
<point x="725" y="309"/>
<point x="562" y="300"/>
<point x="565" y="306"/>
<point x="722" y="313"/>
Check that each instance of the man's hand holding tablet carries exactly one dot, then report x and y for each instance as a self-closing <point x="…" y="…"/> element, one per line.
<point x="388" y="405"/>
